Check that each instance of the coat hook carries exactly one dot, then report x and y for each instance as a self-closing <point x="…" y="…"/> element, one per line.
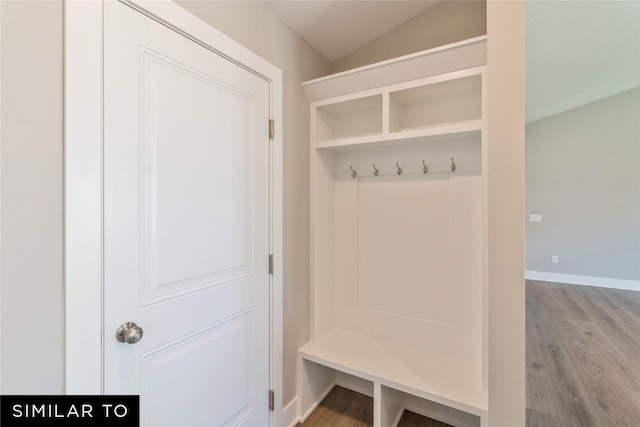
<point x="353" y="173"/>
<point x="399" y="170"/>
<point x="425" y="169"/>
<point x="453" y="166"/>
<point x="376" y="172"/>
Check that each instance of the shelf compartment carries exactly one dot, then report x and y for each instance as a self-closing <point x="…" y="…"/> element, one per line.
<point x="318" y="380"/>
<point x="348" y="119"/>
<point x="394" y="402"/>
<point x="437" y="104"/>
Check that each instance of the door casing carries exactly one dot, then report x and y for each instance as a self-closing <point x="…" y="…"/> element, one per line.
<point x="84" y="183"/>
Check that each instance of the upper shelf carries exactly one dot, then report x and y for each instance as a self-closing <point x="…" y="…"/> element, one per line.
<point x="453" y="131"/>
<point x="446" y="104"/>
<point x="456" y="56"/>
<point x="426" y="94"/>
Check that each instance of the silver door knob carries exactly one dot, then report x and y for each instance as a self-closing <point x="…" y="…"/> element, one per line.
<point x="129" y="332"/>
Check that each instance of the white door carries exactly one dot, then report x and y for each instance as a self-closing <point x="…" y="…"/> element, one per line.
<point x="186" y="227"/>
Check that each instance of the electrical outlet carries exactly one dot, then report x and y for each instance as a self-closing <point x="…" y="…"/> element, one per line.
<point x="554" y="259"/>
<point x="535" y="218"/>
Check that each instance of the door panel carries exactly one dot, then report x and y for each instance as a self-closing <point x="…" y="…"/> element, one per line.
<point x="186" y="226"/>
<point x="171" y="370"/>
<point x="178" y="105"/>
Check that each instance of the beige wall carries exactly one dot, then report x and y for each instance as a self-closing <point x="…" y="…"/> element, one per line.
<point x="444" y="23"/>
<point x="32" y="310"/>
<point x="253" y="26"/>
<point x="583" y="177"/>
<point x="505" y="32"/>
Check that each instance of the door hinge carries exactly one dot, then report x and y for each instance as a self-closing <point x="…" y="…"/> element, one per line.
<point x="270" y="264"/>
<point x="272" y="131"/>
<point x="272" y="400"/>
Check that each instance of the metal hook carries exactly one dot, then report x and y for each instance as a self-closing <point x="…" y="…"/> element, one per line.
<point x="376" y="172"/>
<point x="425" y="169"/>
<point x="453" y="166"/>
<point x="399" y="170"/>
<point x="353" y="173"/>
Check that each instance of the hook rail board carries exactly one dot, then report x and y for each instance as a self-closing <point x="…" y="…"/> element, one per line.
<point x="399" y="171"/>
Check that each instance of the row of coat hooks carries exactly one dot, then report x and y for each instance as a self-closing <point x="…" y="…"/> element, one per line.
<point x="399" y="171"/>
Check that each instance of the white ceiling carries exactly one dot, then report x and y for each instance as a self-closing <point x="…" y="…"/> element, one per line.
<point x="578" y="52"/>
<point x="337" y="28"/>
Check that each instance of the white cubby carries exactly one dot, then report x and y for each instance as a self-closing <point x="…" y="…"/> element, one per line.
<point x="436" y="104"/>
<point x="398" y="261"/>
<point x="446" y="104"/>
<point x="348" y="119"/>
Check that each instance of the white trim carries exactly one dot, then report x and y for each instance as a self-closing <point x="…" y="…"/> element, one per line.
<point x="456" y="56"/>
<point x="277" y="232"/>
<point x="435" y="416"/>
<point x="603" y="282"/>
<point x="83" y="197"/>
<point x="290" y="414"/>
<point x="0" y="187"/>
<point x="353" y="383"/>
<point x="314" y="405"/>
<point x="397" y="59"/>
<point x="399" y="416"/>
<point x="83" y="182"/>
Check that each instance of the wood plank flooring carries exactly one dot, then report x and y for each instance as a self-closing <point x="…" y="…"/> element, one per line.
<point x="411" y="419"/>
<point x="583" y="356"/>
<point x="342" y="408"/>
<point x="346" y="408"/>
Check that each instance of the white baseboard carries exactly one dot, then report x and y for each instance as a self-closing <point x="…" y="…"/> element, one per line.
<point x="353" y="383"/>
<point x="315" y="404"/>
<point x="603" y="282"/>
<point x="399" y="417"/>
<point x="290" y="413"/>
<point x="442" y="413"/>
<point x="435" y="416"/>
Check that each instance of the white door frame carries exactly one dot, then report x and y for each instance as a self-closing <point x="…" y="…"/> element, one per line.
<point x="83" y="165"/>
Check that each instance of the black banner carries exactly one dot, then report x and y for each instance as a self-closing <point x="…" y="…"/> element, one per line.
<point x="81" y="411"/>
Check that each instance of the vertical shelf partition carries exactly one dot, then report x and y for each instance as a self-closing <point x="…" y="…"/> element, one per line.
<point x="398" y="236"/>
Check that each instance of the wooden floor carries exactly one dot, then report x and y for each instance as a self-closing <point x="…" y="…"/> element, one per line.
<point x="346" y="408"/>
<point x="583" y="356"/>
